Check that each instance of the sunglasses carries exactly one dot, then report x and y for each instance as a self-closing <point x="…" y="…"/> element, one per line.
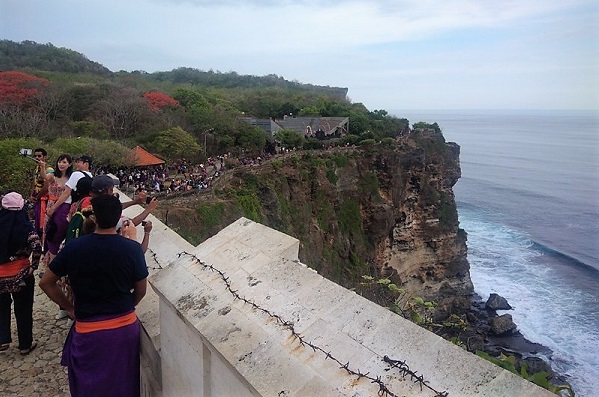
<point x="38" y="155"/>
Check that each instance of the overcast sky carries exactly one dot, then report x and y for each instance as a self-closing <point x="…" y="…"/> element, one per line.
<point x="390" y="54"/>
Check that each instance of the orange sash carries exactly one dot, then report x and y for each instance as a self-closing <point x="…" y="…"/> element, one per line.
<point x="84" y="327"/>
<point x="43" y="205"/>
<point x="10" y="269"/>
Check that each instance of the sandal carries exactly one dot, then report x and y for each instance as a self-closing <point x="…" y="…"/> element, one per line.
<point x="27" y="351"/>
<point x="4" y="347"/>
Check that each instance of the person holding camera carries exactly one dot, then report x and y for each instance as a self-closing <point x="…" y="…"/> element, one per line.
<point x="39" y="192"/>
<point x="103" y="185"/>
<point x="128" y="230"/>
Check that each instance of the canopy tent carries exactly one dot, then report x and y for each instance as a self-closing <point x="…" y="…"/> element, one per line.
<point x="143" y="158"/>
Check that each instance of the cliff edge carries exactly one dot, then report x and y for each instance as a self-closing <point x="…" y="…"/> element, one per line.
<point x="384" y="210"/>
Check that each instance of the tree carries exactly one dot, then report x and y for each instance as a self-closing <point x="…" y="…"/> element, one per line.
<point x="124" y="113"/>
<point x="423" y="126"/>
<point x="290" y="139"/>
<point x="16" y="171"/>
<point x="310" y="111"/>
<point x="19" y="89"/>
<point x="175" y="143"/>
<point x="105" y="153"/>
<point x="189" y="98"/>
<point x="158" y="101"/>
<point x="20" y="93"/>
<point x="82" y="98"/>
<point x="252" y="139"/>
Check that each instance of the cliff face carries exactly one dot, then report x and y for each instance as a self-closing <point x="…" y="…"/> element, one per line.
<point x="385" y="210"/>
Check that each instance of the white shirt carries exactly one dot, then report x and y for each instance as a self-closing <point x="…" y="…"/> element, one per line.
<point x="72" y="182"/>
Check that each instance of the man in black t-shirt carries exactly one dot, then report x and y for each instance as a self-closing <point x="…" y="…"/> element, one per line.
<point x="107" y="273"/>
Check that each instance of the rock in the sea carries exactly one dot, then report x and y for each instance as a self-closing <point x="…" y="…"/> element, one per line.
<point x="497" y="302"/>
<point x="476" y="343"/>
<point x="502" y="324"/>
<point x="535" y="364"/>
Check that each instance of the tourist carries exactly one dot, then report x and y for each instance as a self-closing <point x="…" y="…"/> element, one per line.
<point x="39" y="192"/>
<point x="83" y="165"/>
<point x="104" y="184"/>
<point x="56" y="225"/>
<point x="108" y="276"/>
<point x="18" y="241"/>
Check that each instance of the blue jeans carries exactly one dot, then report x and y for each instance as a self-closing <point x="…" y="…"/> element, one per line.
<point x="23" y="314"/>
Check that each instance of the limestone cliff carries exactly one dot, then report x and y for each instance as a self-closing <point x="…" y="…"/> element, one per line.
<point x="386" y="209"/>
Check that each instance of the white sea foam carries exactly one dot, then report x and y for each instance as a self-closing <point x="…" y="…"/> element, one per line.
<point x="528" y="198"/>
<point x="547" y="309"/>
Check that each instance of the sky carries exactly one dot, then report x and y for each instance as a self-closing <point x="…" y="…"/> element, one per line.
<point x="390" y="54"/>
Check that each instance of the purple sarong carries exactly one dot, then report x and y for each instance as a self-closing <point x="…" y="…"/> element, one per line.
<point x="59" y="217"/>
<point x="37" y="217"/>
<point x="103" y="363"/>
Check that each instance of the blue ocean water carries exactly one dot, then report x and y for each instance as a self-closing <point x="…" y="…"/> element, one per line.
<point x="529" y="201"/>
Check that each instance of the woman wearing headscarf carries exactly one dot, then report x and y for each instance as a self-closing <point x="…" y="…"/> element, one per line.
<point x="18" y="241"/>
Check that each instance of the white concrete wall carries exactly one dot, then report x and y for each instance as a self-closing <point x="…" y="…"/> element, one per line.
<point x="199" y="340"/>
<point x="210" y="344"/>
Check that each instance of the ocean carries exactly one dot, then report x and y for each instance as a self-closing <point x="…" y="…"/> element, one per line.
<point x="529" y="200"/>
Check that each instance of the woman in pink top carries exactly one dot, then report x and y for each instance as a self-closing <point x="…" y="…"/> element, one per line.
<point x="56" y="225"/>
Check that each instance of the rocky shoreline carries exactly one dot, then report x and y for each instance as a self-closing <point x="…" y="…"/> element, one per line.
<point x="497" y="334"/>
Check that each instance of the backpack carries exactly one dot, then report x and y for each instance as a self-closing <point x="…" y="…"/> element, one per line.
<point x="75" y="226"/>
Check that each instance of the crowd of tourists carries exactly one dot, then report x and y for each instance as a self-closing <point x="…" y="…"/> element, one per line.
<point x="73" y="216"/>
<point x="180" y="176"/>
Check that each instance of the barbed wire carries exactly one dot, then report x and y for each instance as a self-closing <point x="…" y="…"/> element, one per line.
<point x="383" y="391"/>
<point x="155" y="258"/>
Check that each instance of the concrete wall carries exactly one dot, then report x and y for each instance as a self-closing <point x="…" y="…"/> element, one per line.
<point x="239" y="315"/>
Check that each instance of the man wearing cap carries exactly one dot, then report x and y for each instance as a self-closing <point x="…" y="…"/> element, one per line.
<point x="104" y="185"/>
<point x="18" y="241"/>
<point x="83" y="165"/>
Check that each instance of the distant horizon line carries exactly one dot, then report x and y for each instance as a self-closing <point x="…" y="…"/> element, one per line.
<point x="398" y="112"/>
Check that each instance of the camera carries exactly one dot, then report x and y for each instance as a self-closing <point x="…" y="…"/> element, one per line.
<point x="27" y="153"/>
<point x="148" y="199"/>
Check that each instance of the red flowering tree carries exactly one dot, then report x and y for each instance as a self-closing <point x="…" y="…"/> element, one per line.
<point x="23" y="106"/>
<point x="158" y="101"/>
<point x="19" y="89"/>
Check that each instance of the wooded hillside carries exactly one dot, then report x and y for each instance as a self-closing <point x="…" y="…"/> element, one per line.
<point x="54" y="95"/>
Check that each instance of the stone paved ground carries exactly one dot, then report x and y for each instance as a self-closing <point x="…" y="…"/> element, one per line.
<point x="38" y="374"/>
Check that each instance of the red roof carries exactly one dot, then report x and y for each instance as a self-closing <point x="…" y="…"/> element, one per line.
<point x="144" y="158"/>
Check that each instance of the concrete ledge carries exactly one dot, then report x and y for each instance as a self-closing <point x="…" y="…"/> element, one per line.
<point x="242" y="348"/>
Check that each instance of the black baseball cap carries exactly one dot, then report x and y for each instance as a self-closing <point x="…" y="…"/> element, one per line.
<point x="85" y="159"/>
<point x="100" y="183"/>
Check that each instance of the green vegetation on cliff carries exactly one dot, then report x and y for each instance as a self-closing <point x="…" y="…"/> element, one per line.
<point x="75" y="97"/>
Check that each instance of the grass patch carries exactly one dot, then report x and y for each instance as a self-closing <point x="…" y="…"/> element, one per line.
<point x="250" y="204"/>
<point x="348" y="216"/>
<point x="368" y="186"/>
<point x="211" y="215"/>
<point x="332" y="176"/>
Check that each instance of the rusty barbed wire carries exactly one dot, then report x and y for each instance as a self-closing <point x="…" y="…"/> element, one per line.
<point x="383" y="391"/>
<point x="155" y="258"/>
